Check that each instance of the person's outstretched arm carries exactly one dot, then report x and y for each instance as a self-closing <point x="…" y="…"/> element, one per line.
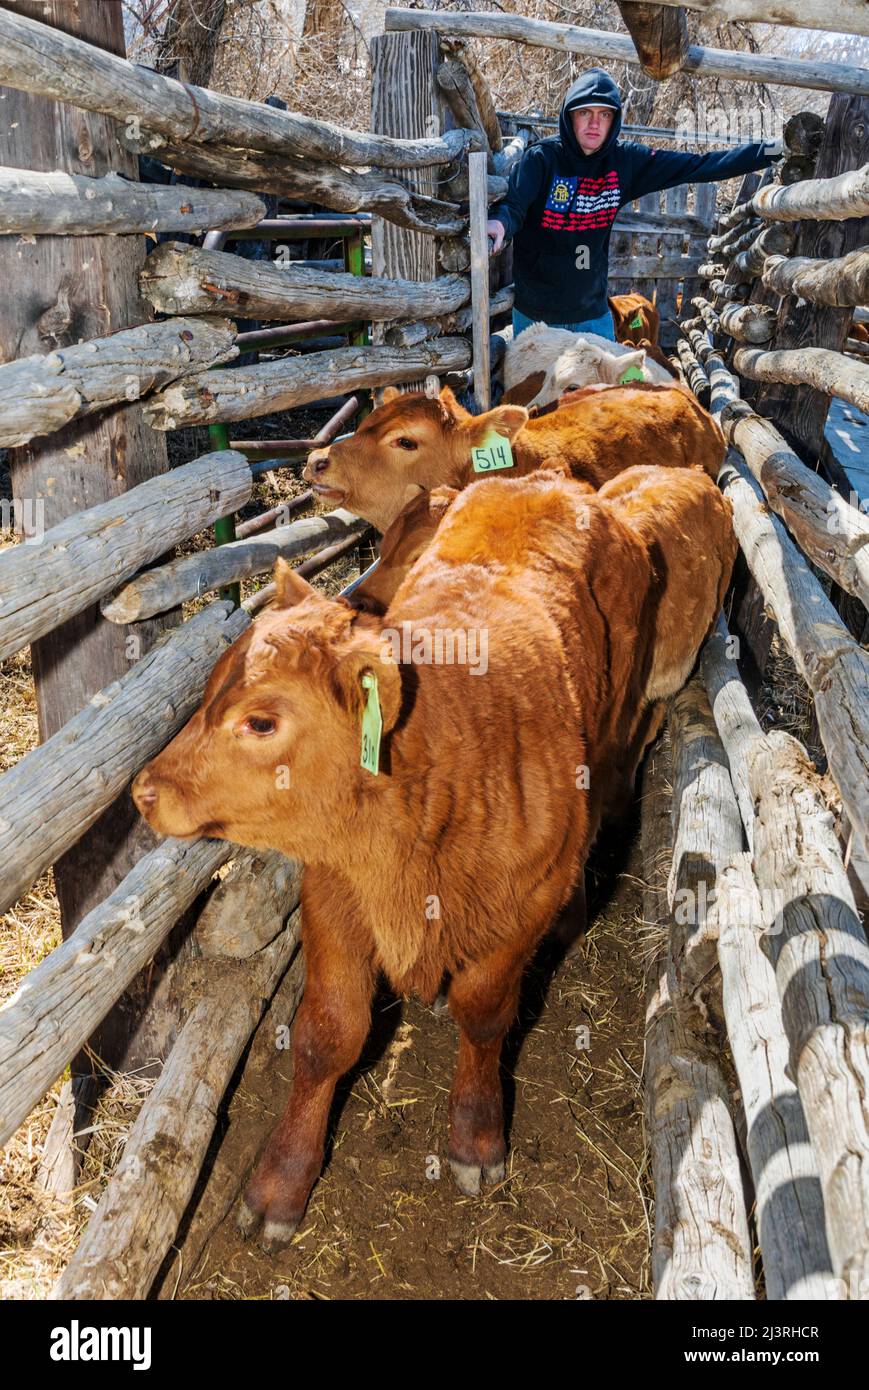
<point x="648" y="170"/>
<point x="523" y="185"/>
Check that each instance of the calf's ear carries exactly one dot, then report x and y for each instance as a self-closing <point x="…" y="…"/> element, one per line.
<point x="290" y="588"/>
<point x="354" y="696"/>
<point x="616" y="367"/>
<point x="506" y="419"/>
<point x="450" y="407"/>
<point x="389" y="393"/>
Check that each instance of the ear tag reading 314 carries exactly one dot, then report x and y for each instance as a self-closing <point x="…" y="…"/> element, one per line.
<point x="637" y="322"/>
<point x="372" y="725"/>
<point x="494" y="452"/>
<point x="632" y="374"/>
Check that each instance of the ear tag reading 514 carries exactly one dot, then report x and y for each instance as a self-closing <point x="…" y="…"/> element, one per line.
<point x="637" y="322"/>
<point x="632" y="374"/>
<point x="372" y="725"/>
<point x="494" y="452"/>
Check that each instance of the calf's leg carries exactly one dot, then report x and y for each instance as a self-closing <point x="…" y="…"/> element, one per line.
<point x="483" y="1000"/>
<point x="330" y="1030"/>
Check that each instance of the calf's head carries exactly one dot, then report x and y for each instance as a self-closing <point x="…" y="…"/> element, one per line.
<point x="409" y="443"/>
<point x="271" y="758"/>
<point x="587" y="364"/>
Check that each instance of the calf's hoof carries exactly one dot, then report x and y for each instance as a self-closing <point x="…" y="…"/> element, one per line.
<point x="467" y="1175"/>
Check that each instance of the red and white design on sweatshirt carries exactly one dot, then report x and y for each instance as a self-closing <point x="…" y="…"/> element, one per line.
<point x="581" y="205"/>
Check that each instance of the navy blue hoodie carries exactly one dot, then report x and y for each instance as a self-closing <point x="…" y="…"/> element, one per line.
<point x="559" y="199"/>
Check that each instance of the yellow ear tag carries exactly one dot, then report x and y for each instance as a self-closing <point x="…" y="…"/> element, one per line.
<point x="494" y="452"/>
<point x="637" y="322"/>
<point x="372" y="725"/>
<point x="632" y="374"/>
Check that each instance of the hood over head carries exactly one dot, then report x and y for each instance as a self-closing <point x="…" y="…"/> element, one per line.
<point x="592" y="88"/>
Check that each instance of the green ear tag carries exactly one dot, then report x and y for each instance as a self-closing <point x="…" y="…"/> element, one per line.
<point x="637" y="322"/>
<point x="632" y="374"/>
<point x="494" y="452"/>
<point x="372" y="724"/>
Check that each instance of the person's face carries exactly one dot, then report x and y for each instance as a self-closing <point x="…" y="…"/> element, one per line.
<point x="591" y="126"/>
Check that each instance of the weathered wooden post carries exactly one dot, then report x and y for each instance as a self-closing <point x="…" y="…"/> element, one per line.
<point x="800" y="412"/>
<point x="61" y="290"/>
<point x="405" y="102"/>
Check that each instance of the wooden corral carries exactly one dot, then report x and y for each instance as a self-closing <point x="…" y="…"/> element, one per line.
<point x="772" y="969"/>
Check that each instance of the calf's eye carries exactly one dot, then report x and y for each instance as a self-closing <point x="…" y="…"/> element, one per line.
<point x="258" y="725"/>
<point x="405" y="443"/>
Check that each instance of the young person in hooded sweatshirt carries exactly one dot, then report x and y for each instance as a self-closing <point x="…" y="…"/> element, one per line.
<point x="563" y="196"/>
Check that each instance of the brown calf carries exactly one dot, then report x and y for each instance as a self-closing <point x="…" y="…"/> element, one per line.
<point x="412" y="443"/>
<point x="458" y="855"/>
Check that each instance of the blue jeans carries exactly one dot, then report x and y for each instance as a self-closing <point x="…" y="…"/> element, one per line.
<point x="603" y="325"/>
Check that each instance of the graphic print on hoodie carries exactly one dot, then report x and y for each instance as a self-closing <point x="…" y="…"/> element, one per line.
<point x="561" y="203"/>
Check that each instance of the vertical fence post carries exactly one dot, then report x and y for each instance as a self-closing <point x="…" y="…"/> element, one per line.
<point x="354" y="264"/>
<point x="479" y="211"/>
<point x="224" y="529"/>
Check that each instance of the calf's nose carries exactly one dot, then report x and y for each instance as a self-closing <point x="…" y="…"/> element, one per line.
<point x="144" y="793"/>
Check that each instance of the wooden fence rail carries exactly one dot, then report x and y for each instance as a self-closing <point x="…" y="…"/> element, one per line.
<point x="157" y="590"/>
<point x="39" y="395"/>
<point x="52" y="794"/>
<point x="619" y="48"/>
<point x="82" y="978"/>
<point x="43" y="582"/>
<point x="246" y="392"/>
<point x="53" y="204"/>
<point x="178" y="279"/>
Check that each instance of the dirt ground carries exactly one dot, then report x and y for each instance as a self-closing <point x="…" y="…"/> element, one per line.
<point x="571" y="1219"/>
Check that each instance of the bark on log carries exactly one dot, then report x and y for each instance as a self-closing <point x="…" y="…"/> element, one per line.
<point x="51" y="796"/>
<point x="837" y="16"/>
<point x="735" y="238"/>
<point x="818" y="367"/>
<point x="47" y="581"/>
<point x="36" y="204"/>
<point x="823" y="200"/>
<point x="157" y="590"/>
<point x="262" y="1082"/>
<point x="342" y="189"/>
<point x="711" y="270"/>
<point x="457" y="187"/>
<point x="618" y="48"/>
<point x="830" y="661"/>
<point x="723" y="386"/>
<point x="833" y="534"/>
<point x="695" y="375"/>
<point x="81" y="979"/>
<point x="818" y="947"/>
<point x="139" y="1213"/>
<point x="466" y="55"/>
<point x="708" y="859"/>
<point x="660" y="36"/>
<point x="248" y="907"/>
<point x="701" y="1248"/>
<point x="409" y="334"/>
<point x="455" y="83"/>
<point x="35" y="58"/>
<point x="246" y="392"/>
<point x="707" y="834"/>
<point x="843" y="282"/>
<point x="41" y="394"/>
<point x="729" y="294"/>
<point x="512" y="152"/>
<point x="748" y="323"/>
<point x="179" y="279"/>
<point x="779" y="238"/>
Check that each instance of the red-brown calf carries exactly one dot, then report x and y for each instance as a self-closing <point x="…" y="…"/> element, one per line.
<point x="457" y="856"/>
<point x="412" y="443"/>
